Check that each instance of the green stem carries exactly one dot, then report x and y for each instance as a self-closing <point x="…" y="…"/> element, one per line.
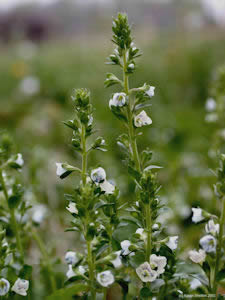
<point x="149" y="230"/>
<point x="84" y="154"/>
<point x="91" y="270"/>
<point x="219" y="246"/>
<point x="12" y="216"/>
<point x="132" y="137"/>
<point x="44" y="253"/>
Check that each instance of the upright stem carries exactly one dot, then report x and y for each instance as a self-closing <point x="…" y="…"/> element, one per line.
<point x="91" y="270"/>
<point x="84" y="155"/>
<point x="219" y="246"/>
<point x="44" y="253"/>
<point x="149" y="230"/>
<point x="12" y="216"/>
<point x="132" y="137"/>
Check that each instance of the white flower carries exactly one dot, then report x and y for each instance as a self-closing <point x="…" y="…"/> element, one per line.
<point x="145" y="273"/>
<point x="197" y="257"/>
<point x="142" y="233"/>
<point x="72" y="208"/>
<point x="142" y="119"/>
<point x="81" y="270"/>
<point x="30" y="85"/>
<point x="197" y="215"/>
<point x="125" y="247"/>
<point x="131" y="66"/>
<point x="208" y="243"/>
<point x="107" y="187"/>
<point x="151" y="91"/>
<point x="98" y="175"/>
<point x="70" y="273"/>
<point x="195" y="283"/>
<point x="72" y="258"/>
<point x="39" y="213"/>
<point x="155" y="226"/>
<point x="173" y="242"/>
<point x="105" y="278"/>
<point x="212" y="228"/>
<point x="158" y="263"/>
<point x="118" y="99"/>
<point x="21" y="286"/>
<point x="4" y="286"/>
<point x="60" y="170"/>
<point x="117" y="262"/>
<point x="19" y="160"/>
<point x="210" y="104"/>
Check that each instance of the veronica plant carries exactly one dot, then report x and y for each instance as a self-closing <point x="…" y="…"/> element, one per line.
<point x="93" y="206"/>
<point x="148" y="253"/>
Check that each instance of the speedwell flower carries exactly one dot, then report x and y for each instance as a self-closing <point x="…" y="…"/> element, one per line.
<point x="151" y="91"/>
<point x="72" y="258"/>
<point x="197" y="257"/>
<point x="212" y="228"/>
<point x="158" y="263"/>
<point x="142" y="119"/>
<point x="105" y="278"/>
<point x="142" y="233"/>
<point x="208" y="243"/>
<point x="39" y="213"/>
<point x="117" y="262"/>
<point x="4" y="286"/>
<point x="210" y="104"/>
<point x="70" y="273"/>
<point x="60" y="170"/>
<point x="125" y="247"/>
<point x="98" y="175"/>
<point x="197" y="215"/>
<point x="19" y="160"/>
<point x="172" y="242"/>
<point x="72" y="208"/>
<point x="145" y="273"/>
<point x="107" y="187"/>
<point x="21" y="286"/>
<point x="118" y="99"/>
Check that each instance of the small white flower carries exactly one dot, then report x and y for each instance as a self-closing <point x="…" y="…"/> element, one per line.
<point x="131" y="66"/>
<point x="21" y="286"/>
<point x="81" y="270"/>
<point x="30" y="85"/>
<point x="125" y="247"/>
<point x="19" y="160"/>
<point x="208" y="243"/>
<point x="173" y="242"/>
<point x="105" y="278"/>
<point x="117" y="262"/>
<point x="4" y="286"/>
<point x="70" y="273"/>
<point x="142" y="233"/>
<point x="142" y="119"/>
<point x="107" y="187"/>
<point x="60" y="170"/>
<point x="39" y="213"/>
<point x="210" y="104"/>
<point x="118" y="99"/>
<point x="212" y="228"/>
<point x="98" y="175"/>
<point x="72" y="208"/>
<point x="197" y="215"/>
<point x="197" y="257"/>
<point x="155" y="226"/>
<point x="145" y="273"/>
<point x="158" y="263"/>
<point x="72" y="258"/>
<point x="195" y="283"/>
<point x="151" y="91"/>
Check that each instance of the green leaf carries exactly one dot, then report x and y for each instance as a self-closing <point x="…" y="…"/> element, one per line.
<point x="145" y="292"/>
<point x="134" y="173"/>
<point x="220" y="275"/>
<point x="14" y="201"/>
<point x="124" y="231"/>
<point x="68" y="293"/>
<point x="26" y="272"/>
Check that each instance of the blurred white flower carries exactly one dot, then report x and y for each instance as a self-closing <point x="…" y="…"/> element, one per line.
<point x="197" y="215"/>
<point x="117" y="262"/>
<point x="151" y="91"/>
<point x="98" y="175"/>
<point x="19" y="160"/>
<point x="212" y="228"/>
<point x="30" y="85"/>
<point x="172" y="242"/>
<point x="39" y="213"/>
<point x="125" y="247"/>
<point x="208" y="243"/>
<point x="21" y="286"/>
<point x="210" y="104"/>
<point x="107" y="187"/>
<point x="145" y="273"/>
<point x="158" y="263"/>
<point x="131" y="66"/>
<point x="72" y="258"/>
<point x="197" y="257"/>
<point x="105" y="278"/>
<point x="60" y="170"/>
<point x="72" y="208"/>
<point x="142" y="233"/>
<point x="81" y="270"/>
<point x="70" y="273"/>
<point x="4" y="286"/>
<point x="194" y="284"/>
<point x="142" y="119"/>
<point x="118" y="99"/>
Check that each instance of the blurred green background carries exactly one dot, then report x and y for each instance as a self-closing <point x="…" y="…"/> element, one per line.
<point x="47" y="50"/>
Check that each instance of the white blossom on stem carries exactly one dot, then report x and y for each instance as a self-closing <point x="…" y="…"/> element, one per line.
<point x="197" y="257"/>
<point x="21" y="286"/>
<point x="145" y="273"/>
<point x="105" y="278"/>
<point x="142" y="119"/>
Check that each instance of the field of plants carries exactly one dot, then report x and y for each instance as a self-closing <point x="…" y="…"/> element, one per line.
<point x="107" y="206"/>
